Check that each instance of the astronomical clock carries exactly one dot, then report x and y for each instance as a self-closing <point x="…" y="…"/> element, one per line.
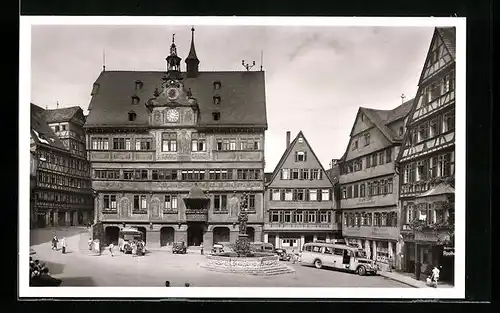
<point x="172" y="105"/>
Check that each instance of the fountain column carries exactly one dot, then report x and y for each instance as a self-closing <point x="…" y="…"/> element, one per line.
<point x="266" y="237"/>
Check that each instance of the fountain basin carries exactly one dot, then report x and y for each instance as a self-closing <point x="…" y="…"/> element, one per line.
<point x="264" y="265"/>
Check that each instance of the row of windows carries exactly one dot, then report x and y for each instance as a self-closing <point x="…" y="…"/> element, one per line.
<point x="169" y="143"/>
<point x="300" y="194"/>
<point x="62" y="197"/>
<point x="427" y="212"/>
<point x="429" y="129"/>
<point x="302" y="173"/>
<point x="377" y="219"/>
<point x="171" y="202"/>
<point x="370" y="160"/>
<point x="62" y="180"/>
<point x="436" y="166"/>
<point x="366" y="140"/>
<point x="62" y="160"/>
<point x="368" y="189"/>
<point x="174" y="174"/>
<point x="437" y="89"/>
<point x="292" y="216"/>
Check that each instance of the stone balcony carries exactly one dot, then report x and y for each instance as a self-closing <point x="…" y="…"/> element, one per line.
<point x="128" y="156"/>
<point x="385" y="232"/>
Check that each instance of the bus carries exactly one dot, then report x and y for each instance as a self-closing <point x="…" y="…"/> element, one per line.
<point x="128" y="235"/>
<point x="338" y="256"/>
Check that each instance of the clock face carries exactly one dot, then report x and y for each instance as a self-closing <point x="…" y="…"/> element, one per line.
<point x="172" y="93"/>
<point x="172" y="115"/>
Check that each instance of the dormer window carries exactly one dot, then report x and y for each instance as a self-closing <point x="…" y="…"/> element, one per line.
<point x="138" y="85"/>
<point x="132" y="116"/>
<point x="217" y="100"/>
<point x="135" y="100"/>
<point x="216" y="116"/>
<point x="217" y="85"/>
<point x="95" y="88"/>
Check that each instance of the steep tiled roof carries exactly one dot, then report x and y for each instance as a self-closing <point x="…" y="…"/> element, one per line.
<point x="242" y="98"/>
<point x="381" y="118"/>
<point x="61" y="115"/>
<point x="334" y="174"/>
<point x="40" y="131"/>
<point x="287" y="153"/>
<point x="448" y="35"/>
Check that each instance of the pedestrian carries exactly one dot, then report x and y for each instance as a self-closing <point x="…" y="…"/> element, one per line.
<point x="293" y="256"/>
<point x="134" y="248"/>
<point x="435" y="276"/>
<point x="63" y="245"/>
<point x="187" y="285"/>
<point x="167" y="283"/>
<point x="97" y="246"/>
<point x="90" y="244"/>
<point x="54" y="243"/>
<point x="111" y="246"/>
<point x="201" y="246"/>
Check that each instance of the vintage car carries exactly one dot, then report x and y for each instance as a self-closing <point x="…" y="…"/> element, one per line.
<point x="262" y="247"/>
<point x="283" y="255"/>
<point x="218" y="248"/>
<point x="179" y="248"/>
<point x="127" y="236"/>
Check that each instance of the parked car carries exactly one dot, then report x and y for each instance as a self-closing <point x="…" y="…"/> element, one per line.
<point x="262" y="247"/>
<point x="283" y="255"/>
<point x="179" y="248"/>
<point x="217" y="248"/>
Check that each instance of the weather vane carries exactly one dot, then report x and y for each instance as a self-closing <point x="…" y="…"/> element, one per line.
<point x="403" y="97"/>
<point x="247" y="66"/>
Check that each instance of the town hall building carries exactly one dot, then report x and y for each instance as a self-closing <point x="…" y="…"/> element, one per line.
<point x="172" y="153"/>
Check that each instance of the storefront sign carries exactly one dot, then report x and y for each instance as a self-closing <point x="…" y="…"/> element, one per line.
<point x="448" y="251"/>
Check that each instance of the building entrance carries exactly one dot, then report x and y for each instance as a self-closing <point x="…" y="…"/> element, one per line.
<point x="195" y="234"/>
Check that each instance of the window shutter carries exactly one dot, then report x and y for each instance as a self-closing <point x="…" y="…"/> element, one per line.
<point x="305" y="155"/>
<point x="296" y="156"/>
<point x="281" y="174"/>
<point x="271" y="191"/>
<point x="301" y="174"/>
<point x="320" y="173"/>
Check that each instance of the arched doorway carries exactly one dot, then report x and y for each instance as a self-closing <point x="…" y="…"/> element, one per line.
<point x="111" y="234"/>
<point x="143" y="231"/>
<point x="251" y="234"/>
<point x="195" y="234"/>
<point x="166" y="236"/>
<point x="221" y="234"/>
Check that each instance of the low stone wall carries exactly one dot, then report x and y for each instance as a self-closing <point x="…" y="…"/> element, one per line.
<point x="267" y="265"/>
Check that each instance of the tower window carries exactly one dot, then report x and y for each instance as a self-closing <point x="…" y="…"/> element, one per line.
<point x="135" y="100"/>
<point x="216" y="100"/>
<point x="131" y="116"/>
<point x="217" y="85"/>
<point x="216" y="116"/>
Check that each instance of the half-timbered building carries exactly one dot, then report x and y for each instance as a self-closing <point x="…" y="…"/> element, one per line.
<point x="162" y="143"/>
<point x="426" y="162"/>
<point x="368" y="183"/>
<point x="299" y="199"/>
<point x="61" y="188"/>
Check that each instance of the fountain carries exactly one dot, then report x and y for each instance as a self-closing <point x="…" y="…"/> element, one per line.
<point x="243" y="260"/>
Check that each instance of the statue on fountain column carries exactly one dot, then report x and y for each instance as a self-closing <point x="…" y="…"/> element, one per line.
<point x="234" y="204"/>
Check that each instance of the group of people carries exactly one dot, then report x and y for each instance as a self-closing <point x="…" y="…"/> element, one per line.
<point x="433" y="278"/>
<point x="40" y="275"/>
<point x="167" y="284"/>
<point x="138" y="247"/>
<point x="56" y="242"/>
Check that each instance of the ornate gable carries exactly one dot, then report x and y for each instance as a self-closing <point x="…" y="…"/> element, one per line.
<point x="438" y="57"/>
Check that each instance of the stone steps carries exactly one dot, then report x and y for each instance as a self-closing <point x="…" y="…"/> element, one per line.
<point x="264" y="271"/>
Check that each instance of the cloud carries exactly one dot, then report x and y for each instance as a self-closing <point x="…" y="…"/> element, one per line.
<point x="316" y="77"/>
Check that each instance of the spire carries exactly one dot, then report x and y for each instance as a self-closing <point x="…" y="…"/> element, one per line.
<point x="173" y="61"/>
<point x="192" y="60"/>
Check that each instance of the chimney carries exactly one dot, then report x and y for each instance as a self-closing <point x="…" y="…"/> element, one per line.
<point x="287" y="139"/>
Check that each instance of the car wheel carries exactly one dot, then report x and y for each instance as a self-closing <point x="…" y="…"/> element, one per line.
<point x="361" y="271"/>
<point x="318" y="264"/>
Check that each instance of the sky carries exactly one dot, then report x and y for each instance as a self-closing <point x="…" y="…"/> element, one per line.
<point x="316" y="77"/>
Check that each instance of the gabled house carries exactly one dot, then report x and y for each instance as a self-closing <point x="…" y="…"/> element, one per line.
<point x="299" y="199"/>
<point x="368" y="183"/>
<point x="426" y="162"/>
<point x="61" y="187"/>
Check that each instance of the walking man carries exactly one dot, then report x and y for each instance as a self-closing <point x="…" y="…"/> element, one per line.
<point x="111" y="246"/>
<point x="54" y="243"/>
<point x="201" y="246"/>
<point x="63" y="245"/>
<point x="435" y="276"/>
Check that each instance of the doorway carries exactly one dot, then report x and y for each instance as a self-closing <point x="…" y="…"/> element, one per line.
<point x="251" y="234"/>
<point x="195" y="234"/>
<point x="221" y="234"/>
<point x="166" y="236"/>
